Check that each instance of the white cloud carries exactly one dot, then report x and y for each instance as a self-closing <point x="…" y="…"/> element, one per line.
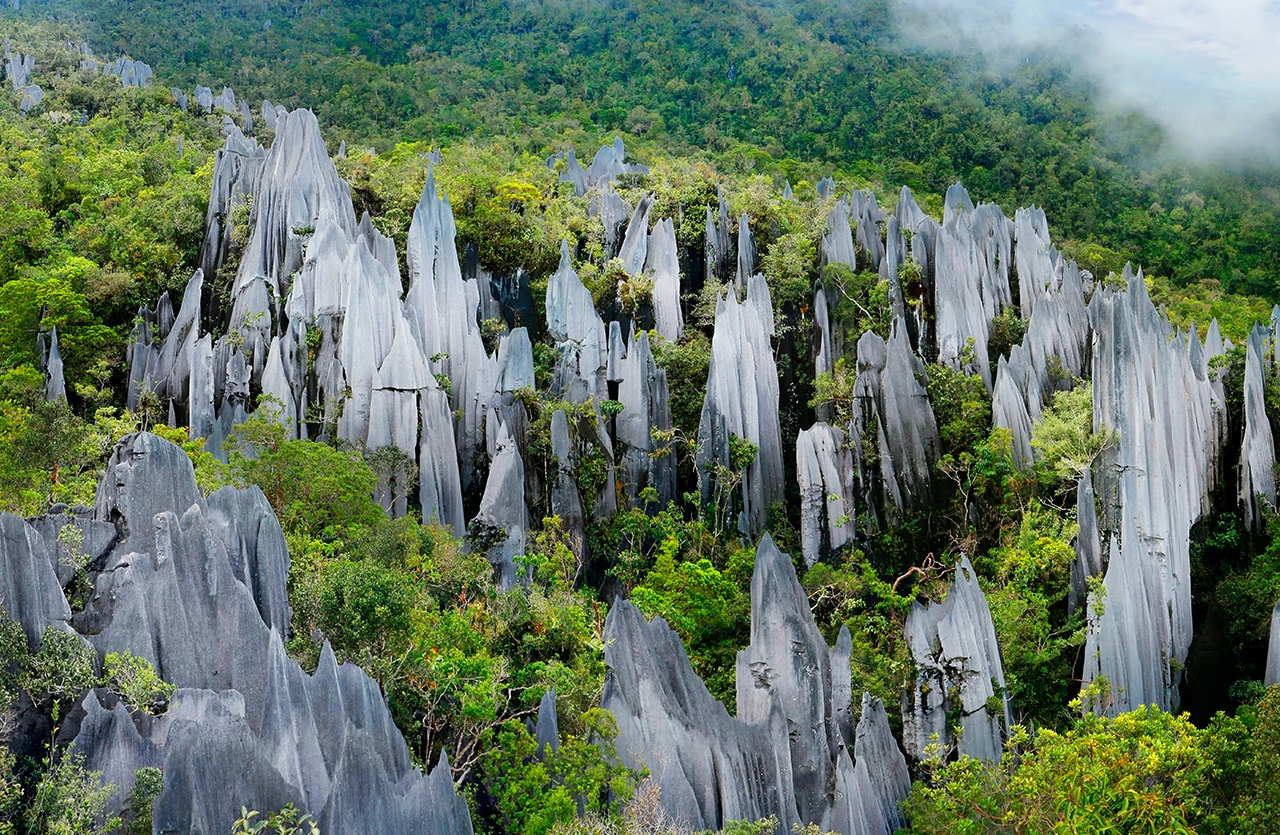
<point x="1207" y="70"/>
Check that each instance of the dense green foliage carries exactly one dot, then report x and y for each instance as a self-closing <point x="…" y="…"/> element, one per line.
<point x="770" y="87"/>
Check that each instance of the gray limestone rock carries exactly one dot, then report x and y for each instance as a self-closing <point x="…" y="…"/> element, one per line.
<point x="29" y="587"/>
<point x="1090" y="558"/>
<point x="1153" y="485"/>
<point x="954" y="647"/>
<point x="742" y="402"/>
<point x="225" y="101"/>
<point x="32" y="95"/>
<point x="19" y="69"/>
<point x="719" y="246"/>
<point x="663" y="261"/>
<point x="893" y="413"/>
<point x="613" y="212"/>
<point x="747" y="260"/>
<point x="1272" y="675"/>
<point x="196" y="587"/>
<point x="204" y="99"/>
<point x="1009" y="412"/>
<point x="610" y="163"/>
<point x="1258" y="453"/>
<point x="827" y="478"/>
<point x="235" y="171"/>
<point x="635" y="245"/>
<point x="825" y="188"/>
<point x="55" y="385"/>
<point x="836" y="245"/>
<point x="503" y="512"/>
<point x="565" y="501"/>
<point x="577" y="330"/>
<point x="547" y="729"/>
<point x="646" y="407"/>
<point x="789" y="753"/>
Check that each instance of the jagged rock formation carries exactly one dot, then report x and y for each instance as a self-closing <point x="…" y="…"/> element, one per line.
<point x="894" y="418"/>
<point x="503" y="515"/>
<point x="646" y="402"/>
<point x="197" y="587"/>
<point x="579" y="334"/>
<point x="1090" y="558"/>
<point x="788" y="752"/>
<point x="1258" y="453"/>
<point x="19" y="68"/>
<point x="742" y="403"/>
<point x="130" y="72"/>
<point x="971" y="279"/>
<point x="1153" y="485"/>
<point x="235" y="171"/>
<point x="718" y="250"/>
<point x="663" y="262"/>
<point x="32" y="95"/>
<point x="826" y="473"/>
<point x="1273" y="649"/>
<point x="29" y="587"/>
<point x="958" y="669"/>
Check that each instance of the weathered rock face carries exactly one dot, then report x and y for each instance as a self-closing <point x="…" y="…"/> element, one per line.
<point x="1090" y="557"/>
<point x="972" y="279"/>
<point x="29" y="587"/>
<point x="742" y="402"/>
<point x="828" y="486"/>
<point x="503" y="514"/>
<point x="836" y="245"/>
<point x="1258" y="452"/>
<point x="958" y="668"/>
<point x="646" y="402"/>
<point x="791" y="751"/>
<point x="197" y="587"/>
<point x="1273" y="649"/>
<point x="235" y="171"/>
<point x="893" y="413"/>
<point x="664" y="263"/>
<point x="1153" y="485"/>
<point x="719" y="252"/>
<point x="579" y="333"/>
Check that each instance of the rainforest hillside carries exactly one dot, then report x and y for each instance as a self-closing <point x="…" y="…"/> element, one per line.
<point x="620" y="418"/>
<point x="769" y="87"/>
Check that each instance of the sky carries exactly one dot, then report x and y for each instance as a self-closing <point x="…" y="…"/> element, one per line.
<point x="1207" y="70"/>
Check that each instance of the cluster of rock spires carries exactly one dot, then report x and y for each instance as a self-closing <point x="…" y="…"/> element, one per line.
<point x="794" y="750"/>
<point x="196" y="586"/>
<point x="319" y="324"/>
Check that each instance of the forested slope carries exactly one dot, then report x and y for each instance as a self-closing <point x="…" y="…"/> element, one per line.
<point x="841" y="438"/>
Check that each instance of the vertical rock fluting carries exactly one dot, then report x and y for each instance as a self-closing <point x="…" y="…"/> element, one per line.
<point x="959" y="678"/>
<point x="971" y="282"/>
<point x="827" y="478"/>
<point x="1153" y="485"/>
<point x="646" y="462"/>
<point x="894" y="434"/>
<point x="742" y="403"/>
<point x="664" y="263"/>
<point x="197" y="588"/>
<point x="1272" y="675"/>
<point x="792" y="752"/>
<point x="1257" y="488"/>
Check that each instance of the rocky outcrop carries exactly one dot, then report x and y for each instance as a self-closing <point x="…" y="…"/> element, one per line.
<point x="579" y="334"/>
<point x="642" y="390"/>
<point x="1153" y="485"/>
<point x="742" y="403"/>
<point x="503" y="520"/>
<point x="663" y="262"/>
<point x="1258" y="452"/>
<point x="893" y="417"/>
<point x="958" y="673"/>
<point x="828" y="486"/>
<point x="235" y="172"/>
<point x="29" y="587"/>
<point x="792" y="752"/>
<point x="1090" y="558"/>
<point x="1272" y="675"/>
<point x="196" y="587"/>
